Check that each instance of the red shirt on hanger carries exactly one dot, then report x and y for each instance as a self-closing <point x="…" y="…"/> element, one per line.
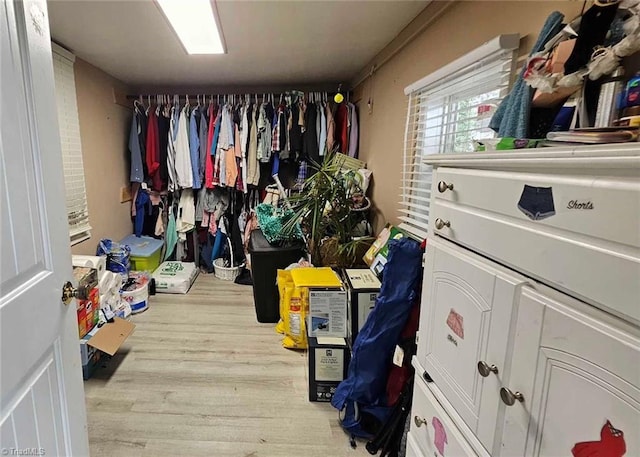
<point x="153" y="151"/>
<point x="342" y="127"/>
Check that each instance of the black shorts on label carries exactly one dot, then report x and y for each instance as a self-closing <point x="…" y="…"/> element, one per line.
<point x="537" y="202"/>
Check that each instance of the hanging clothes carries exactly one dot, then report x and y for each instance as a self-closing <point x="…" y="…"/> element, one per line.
<point x="331" y="128"/>
<point x="171" y="151"/>
<point x="342" y="128"/>
<point x="164" y="125"/>
<point x="318" y="125"/>
<point x="137" y="172"/>
<point x="322" y="141"/>
<point x="153" y="151"/>
<point x="295" y="134"/>
<point x="264" y="135"/>
<point x="171" y="236"/>
<point x="141" y="114"/>
<point x="208" y="159"/>
<point x="216" y="131"/>
<point x="186" y="220"/>
<point x="353" y="131"/>
<point x="231" y="166"/>
<point x="144" y="208"/>
<point x="194" y="147"/>
<point x="310" y="138"/>
<point x="282" y="120"/>
<point x="203" y="138"/>
<point x="184" y="173"/>
<point x="253" y="168"/>
<point x="275" y="134"/>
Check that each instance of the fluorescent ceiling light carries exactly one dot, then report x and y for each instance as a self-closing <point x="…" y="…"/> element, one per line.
<point x="195" y="24"/>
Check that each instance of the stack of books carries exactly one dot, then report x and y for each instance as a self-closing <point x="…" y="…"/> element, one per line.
<point x="593" y="135"/>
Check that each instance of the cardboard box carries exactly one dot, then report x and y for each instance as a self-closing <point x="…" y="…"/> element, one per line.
<point x="327" y="313"/>
<point x="85" y="277"/>
<point x="87" y="312"/>
<point x="363" y="287"/>
<point x="328" y="361"/>
<point x="376" y="256"/>
<point x="103" y="340"/>
<point x="324" y="301"/>
<point x="89" y="356"/>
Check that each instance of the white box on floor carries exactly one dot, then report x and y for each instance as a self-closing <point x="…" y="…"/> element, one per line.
<point x="363" y="287"/>
<point x="175" y="277"/>
<point x="327" y="313"/>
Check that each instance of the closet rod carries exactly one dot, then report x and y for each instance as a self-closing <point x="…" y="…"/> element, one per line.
<point x="252" y="95"/>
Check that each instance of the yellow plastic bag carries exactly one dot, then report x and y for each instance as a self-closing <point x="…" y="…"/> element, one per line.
<point x="295" y="329"/>
<point x="285" y="286"/>
<point x="292" y="312"/>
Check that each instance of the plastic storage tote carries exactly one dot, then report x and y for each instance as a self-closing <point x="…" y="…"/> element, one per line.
<point x="145" y="252"/>
<point x="265" y="262"/>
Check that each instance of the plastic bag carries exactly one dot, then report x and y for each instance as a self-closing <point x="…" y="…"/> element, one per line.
<point x="272" y="220"/>
<point x="293" y="312"/>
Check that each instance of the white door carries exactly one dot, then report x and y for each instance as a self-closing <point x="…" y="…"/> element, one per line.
<point x="42" y="396"/>
<point x="578" y="372"/>
<point x="464" y="330"/>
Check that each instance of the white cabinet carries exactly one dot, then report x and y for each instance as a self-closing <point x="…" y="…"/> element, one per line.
<point x="467" y="309"/>
<point x="578" y="373"/>
<point x="433" y="430"/>
<point x="522" y="368"/>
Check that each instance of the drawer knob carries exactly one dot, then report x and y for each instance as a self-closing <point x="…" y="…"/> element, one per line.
<point x="509" y="398"/>
<point x="440" y="224"/>
<point x="485" y="369"/>
<point x="443" y="186"/>
<point x="419" y="421"/>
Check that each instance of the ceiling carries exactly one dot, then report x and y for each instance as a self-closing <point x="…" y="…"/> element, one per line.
<point x="268" y="42"/>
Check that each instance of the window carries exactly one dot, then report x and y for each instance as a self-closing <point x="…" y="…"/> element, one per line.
<point x="448" y="112"/>
<point x="76" y="197"/>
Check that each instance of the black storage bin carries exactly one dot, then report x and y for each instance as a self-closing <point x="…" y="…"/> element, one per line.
<point x="266" y="260"/>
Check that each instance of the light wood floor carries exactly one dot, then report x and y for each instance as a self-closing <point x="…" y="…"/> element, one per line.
<point x="200" y="377"/>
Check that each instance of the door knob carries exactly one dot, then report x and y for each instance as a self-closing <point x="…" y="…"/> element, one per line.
<point x="69" y="292"/>
<point x="443" y="186"/>
<point x="440" y="224"/>
<point x="419" y="421"/>
<point x="485" y="369"/>
<point x="509" y="398"/>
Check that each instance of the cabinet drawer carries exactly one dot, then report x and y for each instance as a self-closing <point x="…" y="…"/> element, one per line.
<point x="467" y="308"/>
<point x="433" y="431"/>
<point x="589" y="205"/>
<point x="602" y="273"/>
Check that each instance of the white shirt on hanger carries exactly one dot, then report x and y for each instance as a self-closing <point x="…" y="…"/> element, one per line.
<point x="184" y="173"/>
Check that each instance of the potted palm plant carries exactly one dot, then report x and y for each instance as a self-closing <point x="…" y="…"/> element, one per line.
<point x="329" y="209"/>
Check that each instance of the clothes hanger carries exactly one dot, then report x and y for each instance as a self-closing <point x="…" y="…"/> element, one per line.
<point x="137" y="105"/>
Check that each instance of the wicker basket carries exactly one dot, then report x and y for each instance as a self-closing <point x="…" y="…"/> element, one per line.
<point x="226" y="273"/>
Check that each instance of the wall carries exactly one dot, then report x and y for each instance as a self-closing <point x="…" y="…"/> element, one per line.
<point x="104" y="130"/>
<point x="462" y="27"/>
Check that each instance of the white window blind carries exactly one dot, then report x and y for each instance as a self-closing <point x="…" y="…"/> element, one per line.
<point x="447" y="112"/>
<point x="76" y="198"/>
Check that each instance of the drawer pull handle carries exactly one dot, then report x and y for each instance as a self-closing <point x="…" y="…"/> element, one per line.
<point x="509" y="398"/>
<point x="419" y="421"/>
<point x="485" y="369"/>
<point x="440" y="224"/>
<point x="443" y="186"/>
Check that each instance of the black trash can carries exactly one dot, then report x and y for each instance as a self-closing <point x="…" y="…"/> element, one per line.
<point x="266" y="260"/>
